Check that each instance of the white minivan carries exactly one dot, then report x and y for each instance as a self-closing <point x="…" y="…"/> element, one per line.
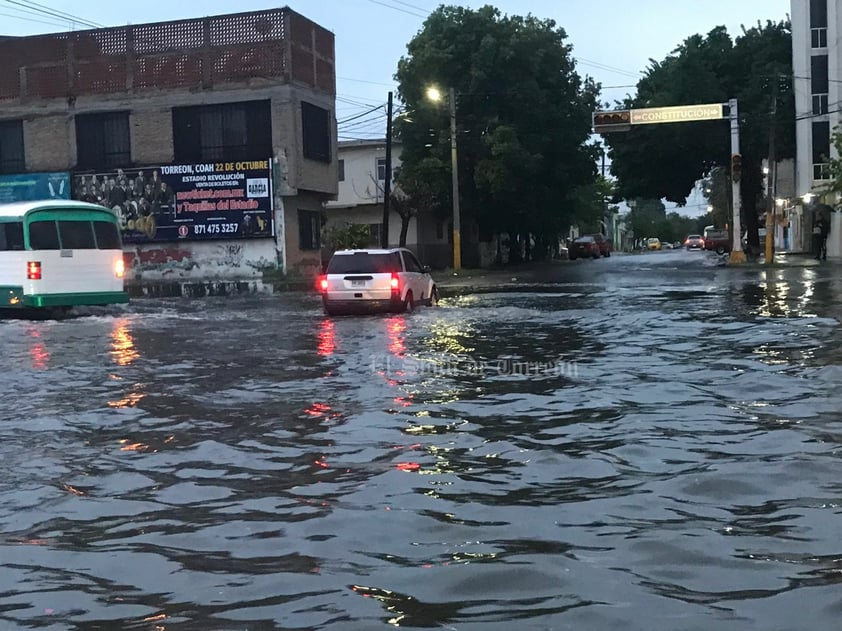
<point x="376" y="280"/>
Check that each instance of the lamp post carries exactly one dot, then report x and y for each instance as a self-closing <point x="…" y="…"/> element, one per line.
<point x="435" y="95"/>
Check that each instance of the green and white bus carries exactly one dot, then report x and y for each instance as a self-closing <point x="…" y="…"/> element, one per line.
<point x="57" y="254"/>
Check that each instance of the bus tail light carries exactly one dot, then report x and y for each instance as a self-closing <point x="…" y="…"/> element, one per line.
<point x="119" y="268"/>
<point x="33" y="270"/>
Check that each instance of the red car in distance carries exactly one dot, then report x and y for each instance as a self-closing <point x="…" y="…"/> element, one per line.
<point x="583" y="247"/>
<point x="602" y="243"/>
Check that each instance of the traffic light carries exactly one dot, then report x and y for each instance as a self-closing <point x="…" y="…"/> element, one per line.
<point x="617" y="120"/>
<point x="736" y="167"/>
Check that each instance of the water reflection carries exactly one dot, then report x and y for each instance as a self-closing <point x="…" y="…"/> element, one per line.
<point x="38" y="353"/>
<point x="123" y="349"/>
<point x="130" y="400"/>
<point x="396" y="329"/>
<point x="451" y="337"/>
<point x="326" y="338"/>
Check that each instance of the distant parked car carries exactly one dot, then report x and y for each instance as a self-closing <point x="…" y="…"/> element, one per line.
<point x="694" y="242"/>
<point x="717" y="241"/>
<point x="584" y="247"/>
<point x="602" y="243"/>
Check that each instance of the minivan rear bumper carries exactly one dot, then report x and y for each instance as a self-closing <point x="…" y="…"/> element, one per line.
<point x="362" y="305"/>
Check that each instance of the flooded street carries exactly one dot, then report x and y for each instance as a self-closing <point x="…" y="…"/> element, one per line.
<point x="654" y="442"/>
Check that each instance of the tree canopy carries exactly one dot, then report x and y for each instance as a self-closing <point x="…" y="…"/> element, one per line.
<point x="665" y="161"/>
<point x="523" y="115"/>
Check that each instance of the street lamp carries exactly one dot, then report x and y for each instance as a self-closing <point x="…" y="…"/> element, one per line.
<point x="434" y="94"/>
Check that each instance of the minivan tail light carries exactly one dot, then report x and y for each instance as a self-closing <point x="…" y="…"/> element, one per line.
<point x="321" y="284"/>
<point x="33" y="270"/>
<point x="395" y="283"/>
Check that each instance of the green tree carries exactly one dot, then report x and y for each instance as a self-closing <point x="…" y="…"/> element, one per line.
<point x="523" y="115"/>
<point x="347" y="236"/>
<point x="665" y="161"/>
<point x="717" y="191"/>
<point x="645" y="217"/>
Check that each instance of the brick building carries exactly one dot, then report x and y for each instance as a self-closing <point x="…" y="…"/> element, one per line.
<point x="213" y="138"/>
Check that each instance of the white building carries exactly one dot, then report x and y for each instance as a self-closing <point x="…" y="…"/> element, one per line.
<point x="362" y="179"/>
<point x="817" y="70"/>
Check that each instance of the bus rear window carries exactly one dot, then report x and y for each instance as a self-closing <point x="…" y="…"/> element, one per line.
<point x="107" y="235"/>
<point x="43" y="235"/>
<point x="11" y="236"/>
<point x="76" y="235"/>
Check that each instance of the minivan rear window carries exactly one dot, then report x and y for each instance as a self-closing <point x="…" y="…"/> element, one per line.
<point x="365" y="263"/>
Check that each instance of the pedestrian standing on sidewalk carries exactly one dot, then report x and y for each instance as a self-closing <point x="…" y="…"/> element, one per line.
<point x="821" y="229"/>
<point x="816" y="239"/>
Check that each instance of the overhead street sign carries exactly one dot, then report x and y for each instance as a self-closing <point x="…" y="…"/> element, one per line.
<point x="679" y="114"/>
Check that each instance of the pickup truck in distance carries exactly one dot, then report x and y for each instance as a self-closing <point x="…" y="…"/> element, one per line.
<point x="718" y="241"/>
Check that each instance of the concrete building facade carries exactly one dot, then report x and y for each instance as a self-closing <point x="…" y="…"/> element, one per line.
<point x="817" y="70"/>
<point x="362" y="178"/>
<point x="249" y="95"/>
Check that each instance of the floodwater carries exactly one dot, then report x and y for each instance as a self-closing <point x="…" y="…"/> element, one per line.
<point x="654" y="442"/>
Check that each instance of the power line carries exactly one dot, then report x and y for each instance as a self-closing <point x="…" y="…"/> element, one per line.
<point x="61" y="15"/>
<point x="33" y="20"/>
<point x="411" y="6"/>
<point x="41" y="8"/>
<point x="367" y="81"/>
<point x="389" y="6"/>
<point x="348" y="120"/>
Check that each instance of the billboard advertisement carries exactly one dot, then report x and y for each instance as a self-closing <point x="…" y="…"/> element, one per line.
<point x="32" y="187"/>
<point x="185" y="202"/>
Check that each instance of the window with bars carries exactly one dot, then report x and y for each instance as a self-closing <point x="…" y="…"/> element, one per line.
<point x="309" y="230"/>
<point x="103" y="140"/>
<point x="381" y="169"/>
<point x="11" y="147"/>
<point x="315" y="125"/>
<point x="228" y="131"/>
<point x="341" y="170"/>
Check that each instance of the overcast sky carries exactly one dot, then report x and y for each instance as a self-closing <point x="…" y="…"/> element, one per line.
<point x="613" y="40"/>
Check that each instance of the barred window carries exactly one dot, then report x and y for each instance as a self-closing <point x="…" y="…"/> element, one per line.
<point x="229" y="131"/>
<point x="11" y="147"/>
<point x="103" y="140"/>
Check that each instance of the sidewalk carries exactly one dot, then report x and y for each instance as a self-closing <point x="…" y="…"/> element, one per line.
<point x="793" y="259"/>
<point x="521" y="276"/>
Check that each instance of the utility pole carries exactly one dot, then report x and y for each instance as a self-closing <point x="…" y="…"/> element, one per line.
<point x="770" y="180"/>
<point x="737" y="255"/>
<point x="457" y="220"/>
<point x="387" y="184"/>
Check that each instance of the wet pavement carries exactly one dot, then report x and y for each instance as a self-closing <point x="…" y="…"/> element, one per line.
<point x="642" y="442"/>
